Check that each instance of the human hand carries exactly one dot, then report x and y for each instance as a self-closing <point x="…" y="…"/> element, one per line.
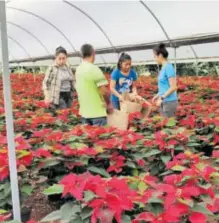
<point x="121" y="99"/>
<point x="109" y="109"/>
<point x="155" y="98"/>
<point x="158" y="102"/>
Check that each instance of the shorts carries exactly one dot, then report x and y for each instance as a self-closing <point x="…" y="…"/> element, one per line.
<point x="168" y="109"/>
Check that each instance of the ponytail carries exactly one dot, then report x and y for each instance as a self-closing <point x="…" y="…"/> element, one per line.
<point x="161" y="49"/>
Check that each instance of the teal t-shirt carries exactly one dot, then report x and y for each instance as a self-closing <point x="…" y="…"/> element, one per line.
<point x="89" y="78"/>
<point x="166" y="72"/>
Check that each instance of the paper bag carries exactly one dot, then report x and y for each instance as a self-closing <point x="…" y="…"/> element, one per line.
<point x="118" y="119"/>
<point x="130" y="107"/>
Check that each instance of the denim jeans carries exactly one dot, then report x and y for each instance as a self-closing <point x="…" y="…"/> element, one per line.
<point x="116" y="104"/>
<point x="102" y="121"/>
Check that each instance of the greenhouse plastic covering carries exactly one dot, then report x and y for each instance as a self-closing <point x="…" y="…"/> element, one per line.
<point x="36" y="28"/>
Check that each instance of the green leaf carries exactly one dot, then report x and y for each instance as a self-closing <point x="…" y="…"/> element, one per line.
<point x="3" y="211"/>
<point x="205" y="186"/>
<point x="216" y="129"/>
<point x="130" y="164"/>
<point x="88" y="196"/>
<point x="56" y="215"/>
<point x="201" y="209"/>
<point x="142" y="187"/>
<point x="178" y="168"/>
<point x="165" y="158"/>
<point x="54" y="189"/>
<point x="135" y="172"/>
<point x="50" y="162"/>
<point x="171" y="122"/>
<point x="86" y="213"/>
<point x="7" y="189"/>
<point x="151" y="153"/>
<point x="179" y="148"/>
<point x="98" y="171"/>
<point x="193" y="144"/>
<point x="126" y="219"/>
<point x="155" y="200"/>
<point x="69" y="210"/>
<point x="77" y="220"/>
<point x="27" y="189"/>
<point x="166" y="173"/>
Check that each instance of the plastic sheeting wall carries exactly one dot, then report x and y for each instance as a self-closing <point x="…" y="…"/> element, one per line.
<point x="36" y="28"/>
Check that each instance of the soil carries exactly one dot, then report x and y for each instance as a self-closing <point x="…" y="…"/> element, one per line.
<point x="40" y="205"/>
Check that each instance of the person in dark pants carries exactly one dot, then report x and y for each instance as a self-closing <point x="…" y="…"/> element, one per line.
<point x="92" y="90"/>
<point x="166" y="98"/>
<point x="58" y="84"/>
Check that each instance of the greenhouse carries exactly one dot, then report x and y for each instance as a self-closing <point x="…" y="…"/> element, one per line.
<point x="58" y="163"/>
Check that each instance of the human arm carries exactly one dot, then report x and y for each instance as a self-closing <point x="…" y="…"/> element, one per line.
<point x="114" y="91"/>
<point x="171" y="76"/>
<point x="47" y="83"/>
<point x="173" y="87"/>
<point x="102" y="84"/>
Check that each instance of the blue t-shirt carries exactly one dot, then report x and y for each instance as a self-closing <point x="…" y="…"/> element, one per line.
<point x="163" y="82"/>
<point x="123" y="82"/>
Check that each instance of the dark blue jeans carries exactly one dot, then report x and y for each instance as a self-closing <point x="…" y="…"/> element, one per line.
<point x="95" y="121"/>
<point x="116" y="104"/>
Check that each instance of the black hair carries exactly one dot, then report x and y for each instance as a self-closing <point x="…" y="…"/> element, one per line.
<point x="61" y="49"/>
<point x="123" y="57"/>
<point x="87" y="50"/>
<point x="161" y="49"/>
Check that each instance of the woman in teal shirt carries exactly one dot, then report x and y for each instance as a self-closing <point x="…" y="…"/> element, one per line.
<point x="166" y="98"/>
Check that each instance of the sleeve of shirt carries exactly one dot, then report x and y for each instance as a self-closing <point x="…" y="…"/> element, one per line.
<point x="47" y="79"/>
<point x="99" y="78"/>
<point x="170" y="72"/>
<point x="114" y="75"/>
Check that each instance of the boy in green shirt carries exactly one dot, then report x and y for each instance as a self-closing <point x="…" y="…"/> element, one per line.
<point x="91" y="87"/>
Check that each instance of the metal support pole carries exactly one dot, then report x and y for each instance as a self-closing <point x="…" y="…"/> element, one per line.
<point x="9" y="115"/>
<point x="175" y="60"/>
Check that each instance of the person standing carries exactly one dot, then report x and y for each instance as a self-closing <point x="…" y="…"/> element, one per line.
<point x="166" y="98"/>
<point x="123" y="80"/>
<point x="92" y="89"/>
<point x="58" y="84"/>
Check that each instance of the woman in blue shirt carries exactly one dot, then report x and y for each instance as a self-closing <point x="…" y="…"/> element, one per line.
<point x="166" y="98"/>
<point x="123" y="81"/>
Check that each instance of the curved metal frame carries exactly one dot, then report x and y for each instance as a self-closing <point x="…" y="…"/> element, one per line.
<point x="45" y="20"/>
<point x="158" y="21"/>
<point x="92" y="20"/>
<point x="163" y="29"/>
<point x="28" y="32"/>
<point x="15" y="41"/>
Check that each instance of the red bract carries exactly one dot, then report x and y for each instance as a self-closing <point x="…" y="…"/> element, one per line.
<point x="160" y="140"/>
<point x="197" y="218"/>
<point x="215" y="154"/>
<point x="116" y="163"/>
<point x="42" y="133"/>
<point x="4" y="218"/>
<point x="74" y="185"/>
<point x="42" y="153"/>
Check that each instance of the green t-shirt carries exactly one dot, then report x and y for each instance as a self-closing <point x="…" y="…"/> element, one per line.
<point x="88" y="78"/>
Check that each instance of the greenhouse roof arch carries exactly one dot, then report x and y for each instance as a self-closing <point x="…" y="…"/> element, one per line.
<point x="15" y="41"/>
<point x="31" y="34"/>
<point x="116" y="26"/>
<point x="45" y="20"/>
